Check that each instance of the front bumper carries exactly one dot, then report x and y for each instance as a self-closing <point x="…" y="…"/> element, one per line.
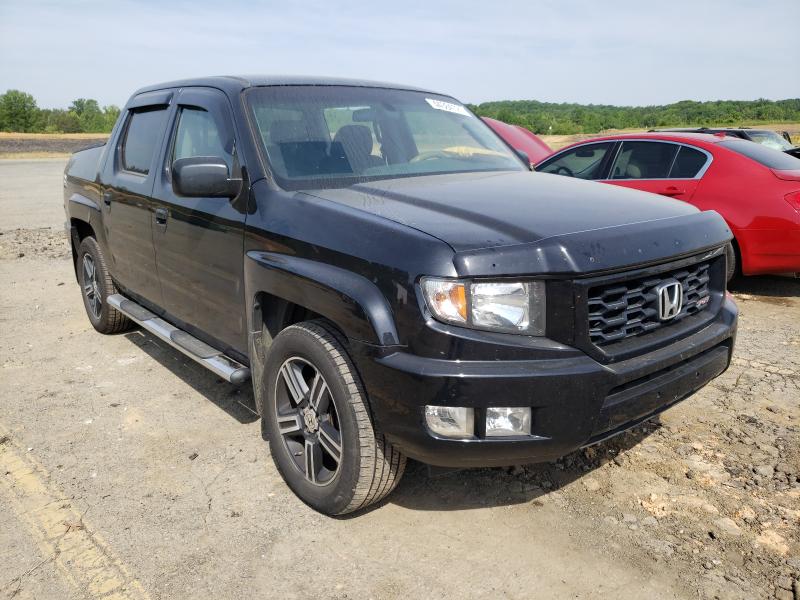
<point x="575" y="401"/>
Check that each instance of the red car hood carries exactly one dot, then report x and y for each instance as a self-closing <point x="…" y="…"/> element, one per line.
<point x="521" y="139"/>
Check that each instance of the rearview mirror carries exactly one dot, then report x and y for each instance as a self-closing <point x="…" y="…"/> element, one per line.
<point x="204" y="177"/>
<point x="585" y="153"/>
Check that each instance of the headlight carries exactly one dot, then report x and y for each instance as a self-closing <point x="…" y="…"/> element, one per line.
<point x="510" y="306"/>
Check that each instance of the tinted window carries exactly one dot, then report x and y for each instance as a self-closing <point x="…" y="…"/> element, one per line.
<point x="688" y="163"/>
<point x="198" y="135"/>
<point x="584" y="162"/>
<point x="774" y="159"/>
<point x="643" y="160"/>
<point x="141" y="137"/>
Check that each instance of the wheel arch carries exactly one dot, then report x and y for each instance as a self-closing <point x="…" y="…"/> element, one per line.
<point x="282" y="290"/>
<point x="79" y="230"/>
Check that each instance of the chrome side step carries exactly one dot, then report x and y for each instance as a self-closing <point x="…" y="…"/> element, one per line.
<point x="209" y="357"/>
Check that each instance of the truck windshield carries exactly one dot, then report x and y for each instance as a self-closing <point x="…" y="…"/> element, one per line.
<point x="769" y="139"/>
<point x="333" y="136"/>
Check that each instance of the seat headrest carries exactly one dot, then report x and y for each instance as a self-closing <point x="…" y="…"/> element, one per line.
<point x="633" y="171"/>
<point x="355" y="139"/>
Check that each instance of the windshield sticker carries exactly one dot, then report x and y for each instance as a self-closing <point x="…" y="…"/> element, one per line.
<point x="447" y="106"/>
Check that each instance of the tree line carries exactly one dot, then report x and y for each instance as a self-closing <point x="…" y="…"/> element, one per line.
<point x="19" y="113"/>
<point x="548" y="117"/>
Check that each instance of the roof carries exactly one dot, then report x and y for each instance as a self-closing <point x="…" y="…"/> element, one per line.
<point x="685" y="136"/>
<point x="236" y="83"/>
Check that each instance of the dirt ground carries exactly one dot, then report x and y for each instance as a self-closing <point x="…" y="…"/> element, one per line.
<point x="127" y="471"/>
<point x="42" y="145"/>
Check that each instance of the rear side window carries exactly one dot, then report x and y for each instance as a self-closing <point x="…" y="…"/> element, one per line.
<point x="772" y="159"/>
<point x="688" y="163"/>
<point x="584" y="162"/>
<point x="644" y="160"/>
<point x="144" y="131"/>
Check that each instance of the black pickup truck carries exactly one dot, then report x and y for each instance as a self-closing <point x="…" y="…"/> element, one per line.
<point x="391" y="277"/>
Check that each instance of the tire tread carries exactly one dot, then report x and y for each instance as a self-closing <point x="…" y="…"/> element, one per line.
<point x="382" y="465"/>
<point x="115" y="321"/>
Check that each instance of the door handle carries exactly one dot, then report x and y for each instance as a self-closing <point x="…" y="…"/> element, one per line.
<point x="161" y="216"/>
<point x="107" y="197"/>
<point x="672" y="191"/>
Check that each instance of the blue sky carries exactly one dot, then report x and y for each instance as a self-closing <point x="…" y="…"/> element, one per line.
<point x="616" y="52"/>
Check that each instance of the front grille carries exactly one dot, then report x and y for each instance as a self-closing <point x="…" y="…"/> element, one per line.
<point x="626" y="309"/>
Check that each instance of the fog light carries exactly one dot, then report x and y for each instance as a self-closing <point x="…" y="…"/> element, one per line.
<point x="508" y="420"/>
<point x="451" y="421"/>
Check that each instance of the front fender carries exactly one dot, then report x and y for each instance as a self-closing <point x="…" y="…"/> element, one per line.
<point x="349" y="300"/>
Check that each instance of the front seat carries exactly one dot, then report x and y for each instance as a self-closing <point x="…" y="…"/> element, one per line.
<point x="356" y="142"/>
<point x="293" y="150"/>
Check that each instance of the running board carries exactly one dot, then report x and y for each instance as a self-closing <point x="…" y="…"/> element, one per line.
<point x="211" y="358"/>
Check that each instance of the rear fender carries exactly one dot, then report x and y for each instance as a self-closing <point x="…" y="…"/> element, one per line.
<point x="84" y="220"/>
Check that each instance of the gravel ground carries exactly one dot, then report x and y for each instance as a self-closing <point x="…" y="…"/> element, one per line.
<point x="127" y="471"/>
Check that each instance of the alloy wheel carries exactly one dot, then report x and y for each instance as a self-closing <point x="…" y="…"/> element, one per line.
<point x="90" y="287"/>
<point x="308" y="421"/>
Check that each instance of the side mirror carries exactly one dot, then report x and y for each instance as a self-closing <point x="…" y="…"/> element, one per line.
<point x="204" y="177"/>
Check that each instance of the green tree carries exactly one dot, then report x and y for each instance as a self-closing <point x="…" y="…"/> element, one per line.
<point x="89" y="114"/>
<point x="18" y="111"/>
<point x="110" y="116"/>
<point x="65" y="121"/>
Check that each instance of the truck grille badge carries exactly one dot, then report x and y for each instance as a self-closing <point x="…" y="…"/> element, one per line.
<point x="670" y="300"/>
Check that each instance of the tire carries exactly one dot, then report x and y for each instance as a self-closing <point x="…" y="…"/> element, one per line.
<point x="96" y="286"/>
<point x="730" y="261"/>
<point x="308" y="368"/>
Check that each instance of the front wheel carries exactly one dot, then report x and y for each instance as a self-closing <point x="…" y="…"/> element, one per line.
<point x="319" y="426"/>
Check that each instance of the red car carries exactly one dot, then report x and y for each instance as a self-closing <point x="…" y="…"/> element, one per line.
<point x="520" y="138"/>
<point x="756" y="189"/>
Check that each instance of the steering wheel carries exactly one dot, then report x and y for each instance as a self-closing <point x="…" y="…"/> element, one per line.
<point x="430" y="155"/>
<point x="562" y="170"/>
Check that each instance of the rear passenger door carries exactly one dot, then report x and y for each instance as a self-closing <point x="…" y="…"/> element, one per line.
<point x="665" y="168"/>
<point x="127" y="205"/>
<point x="199" y="242"/>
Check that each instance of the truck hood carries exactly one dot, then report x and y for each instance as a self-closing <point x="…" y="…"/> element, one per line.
<point x="516" y="222"/>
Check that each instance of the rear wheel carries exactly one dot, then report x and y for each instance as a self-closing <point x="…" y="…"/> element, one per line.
<point x="319" y="426"/>
<point x="96" y="287"/>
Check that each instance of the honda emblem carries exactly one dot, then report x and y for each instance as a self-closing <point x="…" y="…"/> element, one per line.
<point x="670" y="300"/>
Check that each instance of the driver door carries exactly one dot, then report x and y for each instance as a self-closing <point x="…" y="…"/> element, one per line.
<point x="587" y="161"/>
<point x="199" y="242"/>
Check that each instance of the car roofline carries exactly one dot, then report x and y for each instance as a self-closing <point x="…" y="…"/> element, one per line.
<point x="234" y="84"/>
